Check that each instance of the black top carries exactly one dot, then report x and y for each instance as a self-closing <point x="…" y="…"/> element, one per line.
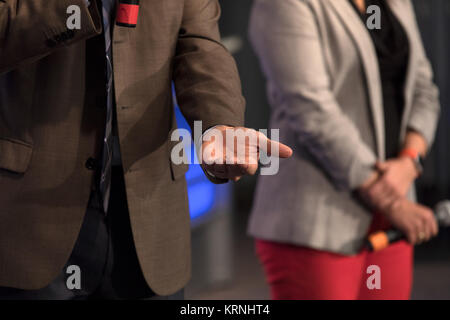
<point x="392" y="47"/>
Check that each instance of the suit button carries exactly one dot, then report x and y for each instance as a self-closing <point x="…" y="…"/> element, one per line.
<point x="91" y="164"/>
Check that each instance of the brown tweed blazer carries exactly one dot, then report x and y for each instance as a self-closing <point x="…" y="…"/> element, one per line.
<point x="52" y="113"/>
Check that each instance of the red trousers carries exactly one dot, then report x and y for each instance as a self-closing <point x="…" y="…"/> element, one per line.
<point x="300" y="273"/>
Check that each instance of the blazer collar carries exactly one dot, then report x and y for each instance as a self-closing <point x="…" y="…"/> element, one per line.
<point x="366" y="49"/>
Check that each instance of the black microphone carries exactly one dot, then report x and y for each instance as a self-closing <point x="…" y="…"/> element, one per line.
<point x="381" y="239"/>
<point x="127" y="13"/>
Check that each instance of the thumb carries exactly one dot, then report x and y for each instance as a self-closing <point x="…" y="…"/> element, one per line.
<point x="271" y="147"/>
<point x="283" y="150"/>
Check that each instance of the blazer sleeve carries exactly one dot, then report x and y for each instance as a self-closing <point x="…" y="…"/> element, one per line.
<point x="206" y="79"/>
<point x="32" y="29"/>
<point x="425" y="108"/>
<point x="286" y="38"/>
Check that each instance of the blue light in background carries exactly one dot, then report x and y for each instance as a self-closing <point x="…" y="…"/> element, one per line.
<point x="201" y="192"/>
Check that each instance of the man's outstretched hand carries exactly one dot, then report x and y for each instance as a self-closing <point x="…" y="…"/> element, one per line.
<point x="232" y="152"/>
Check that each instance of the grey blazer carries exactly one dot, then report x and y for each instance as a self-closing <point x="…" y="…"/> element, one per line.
<point x="324" y="87"/>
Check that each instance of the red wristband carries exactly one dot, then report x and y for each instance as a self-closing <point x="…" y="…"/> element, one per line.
<point x="410" y="153"/>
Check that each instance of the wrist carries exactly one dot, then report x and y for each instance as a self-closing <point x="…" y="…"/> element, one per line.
<point x="393" y="209"/>
<point x="414" y="158"/>
<point x="410" y="166"/>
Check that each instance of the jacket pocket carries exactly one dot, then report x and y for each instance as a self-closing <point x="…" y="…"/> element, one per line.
<point x="15" y="155"/>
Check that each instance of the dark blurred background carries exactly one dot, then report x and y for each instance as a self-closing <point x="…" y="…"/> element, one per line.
<point x="224" y="263"/>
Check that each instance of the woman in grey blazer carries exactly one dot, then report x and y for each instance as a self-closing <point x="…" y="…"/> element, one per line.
<point x="351" y="90"/>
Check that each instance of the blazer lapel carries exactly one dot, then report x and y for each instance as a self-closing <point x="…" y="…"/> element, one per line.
<point x="367" y="53"/>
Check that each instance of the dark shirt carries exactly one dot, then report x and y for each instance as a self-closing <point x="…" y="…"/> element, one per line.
<point x="392" y="48"/>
